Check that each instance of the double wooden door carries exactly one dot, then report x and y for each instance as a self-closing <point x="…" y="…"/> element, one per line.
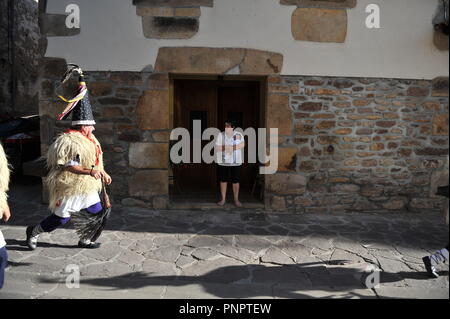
<point x="213" y="102"/>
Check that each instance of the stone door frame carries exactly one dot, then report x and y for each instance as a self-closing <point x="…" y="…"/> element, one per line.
<point x="196" y="62"/>
<point x="262" y="80"/>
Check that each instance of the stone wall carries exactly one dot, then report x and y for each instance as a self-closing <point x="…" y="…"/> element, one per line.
<point x="351" y="144"/>
<point x="359" y="144"/>
<point x="19" y="55"/>
<point x="320" y="20"/>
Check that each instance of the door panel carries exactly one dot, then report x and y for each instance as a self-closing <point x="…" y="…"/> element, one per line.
<point x="195" y="100"/>
<point x="213" y="102"/>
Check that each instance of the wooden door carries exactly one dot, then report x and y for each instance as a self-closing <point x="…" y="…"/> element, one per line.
<point x="213" y="102"/>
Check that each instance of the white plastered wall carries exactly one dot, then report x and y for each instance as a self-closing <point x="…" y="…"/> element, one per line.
<point x="111" y="38"/>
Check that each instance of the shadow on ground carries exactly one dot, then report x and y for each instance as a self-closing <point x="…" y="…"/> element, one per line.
<point x="286" y="281"/>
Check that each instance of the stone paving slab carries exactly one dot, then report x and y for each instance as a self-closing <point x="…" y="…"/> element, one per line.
<point x="229" y="254"/>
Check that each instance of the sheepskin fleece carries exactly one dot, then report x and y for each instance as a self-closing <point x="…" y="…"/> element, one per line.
<point x="62" y="183"/>
<point x="4" y="179"/>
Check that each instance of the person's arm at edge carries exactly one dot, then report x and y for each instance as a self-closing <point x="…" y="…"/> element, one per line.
<point x="92" y="172"/>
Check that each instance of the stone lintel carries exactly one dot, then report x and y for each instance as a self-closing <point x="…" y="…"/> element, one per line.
<point x="174" y="3"/>
<point x="169" y="27"/>
<point x="204" y="60"/>
<point x="330" y="4"/>
<point x="168" y="12"/>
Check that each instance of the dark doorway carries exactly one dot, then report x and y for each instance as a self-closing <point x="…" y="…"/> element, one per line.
<point x="212" y="102"/>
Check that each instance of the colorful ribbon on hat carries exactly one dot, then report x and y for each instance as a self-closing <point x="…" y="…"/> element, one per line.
<point x="82" y="90"/>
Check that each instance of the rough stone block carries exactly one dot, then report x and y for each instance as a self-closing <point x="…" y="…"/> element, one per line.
<point x="422" y="203"/>
<point x="287" y="184"/>
<point x="197" y="60"/>
<point x="304" y="129"/>
<point x="173" y="3"/>
<point x="131" y="202"/>
<point x="287" y="159"/>
<point x="440" y="41"/>
<point x="169" y="27"/>
<point x="438" y="178"/>
<point x="311" y="107"/>
<point x="168" y="12"/>
<point x="159" y="81"/>
<point x="127" y="78"/>
<point x="149" y="155"/>
<point x="326" y="124"/>
<point x="54" y="25"/>
<point x="343" y="131"/>
<point x="258" y="62"/>
<point x="345" y="188"/>
<point x="278" y="203"/>
<point x="161" y="136"/>
<point x="320" y="3"/>
<point x="155" y="11"/>
<point x="307" y="166"/>
<point x="51" y="108"/>
<point x="161" y="203"/>
<point x="326" y="140"/>
<point x="372" y="191"/>
<point x="418" y="91"/>
<point x="100" y="88"/>
<point x="343" y="84"/>
<point x="153" y="110"/>
<point x="319" y="25"/>
<point x="280" y="114"/>
<point x="440" y="86"/>
<point x="52" y="68"/>
<point x="217" y="60"/>
<point x="149" y="183"/>
<point x="440" y="124"/>
<point x="431" y="151"/>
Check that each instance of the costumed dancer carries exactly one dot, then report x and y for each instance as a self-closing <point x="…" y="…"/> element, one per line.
<point x="76" y="175"/>
<point x="4" y="211"/>
<point x="441" y="256"/>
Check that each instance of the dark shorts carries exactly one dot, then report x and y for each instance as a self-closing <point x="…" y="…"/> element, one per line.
<point x="230" y="174"/>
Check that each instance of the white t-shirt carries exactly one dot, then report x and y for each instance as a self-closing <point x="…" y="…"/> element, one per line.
<point x="2" y="240"/>
<point x="233" y="158"/>
<point x="74" y="204"/>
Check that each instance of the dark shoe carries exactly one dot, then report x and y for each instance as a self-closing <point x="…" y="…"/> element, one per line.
<point x="88" y="245"/>
<point x="431" y="270"/>
<point x="31" y="241"/>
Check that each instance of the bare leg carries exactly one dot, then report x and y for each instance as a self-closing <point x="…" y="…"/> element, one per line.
<point x="223" y="193"/>
<point x="236" y="195"/>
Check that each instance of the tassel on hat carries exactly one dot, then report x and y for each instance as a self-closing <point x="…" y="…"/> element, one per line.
<point x="80" y="106"/>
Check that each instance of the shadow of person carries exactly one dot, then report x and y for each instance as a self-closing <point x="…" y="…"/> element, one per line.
<point x="247" y="281"/>
<point x="388" y="277"/>
<point x="22" y="245"/>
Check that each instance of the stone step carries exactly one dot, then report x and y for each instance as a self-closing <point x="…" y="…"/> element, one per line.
<point x="210" y="206"/>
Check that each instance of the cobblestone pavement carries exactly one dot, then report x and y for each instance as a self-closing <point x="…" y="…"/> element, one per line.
<point x="223" y="254"/>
